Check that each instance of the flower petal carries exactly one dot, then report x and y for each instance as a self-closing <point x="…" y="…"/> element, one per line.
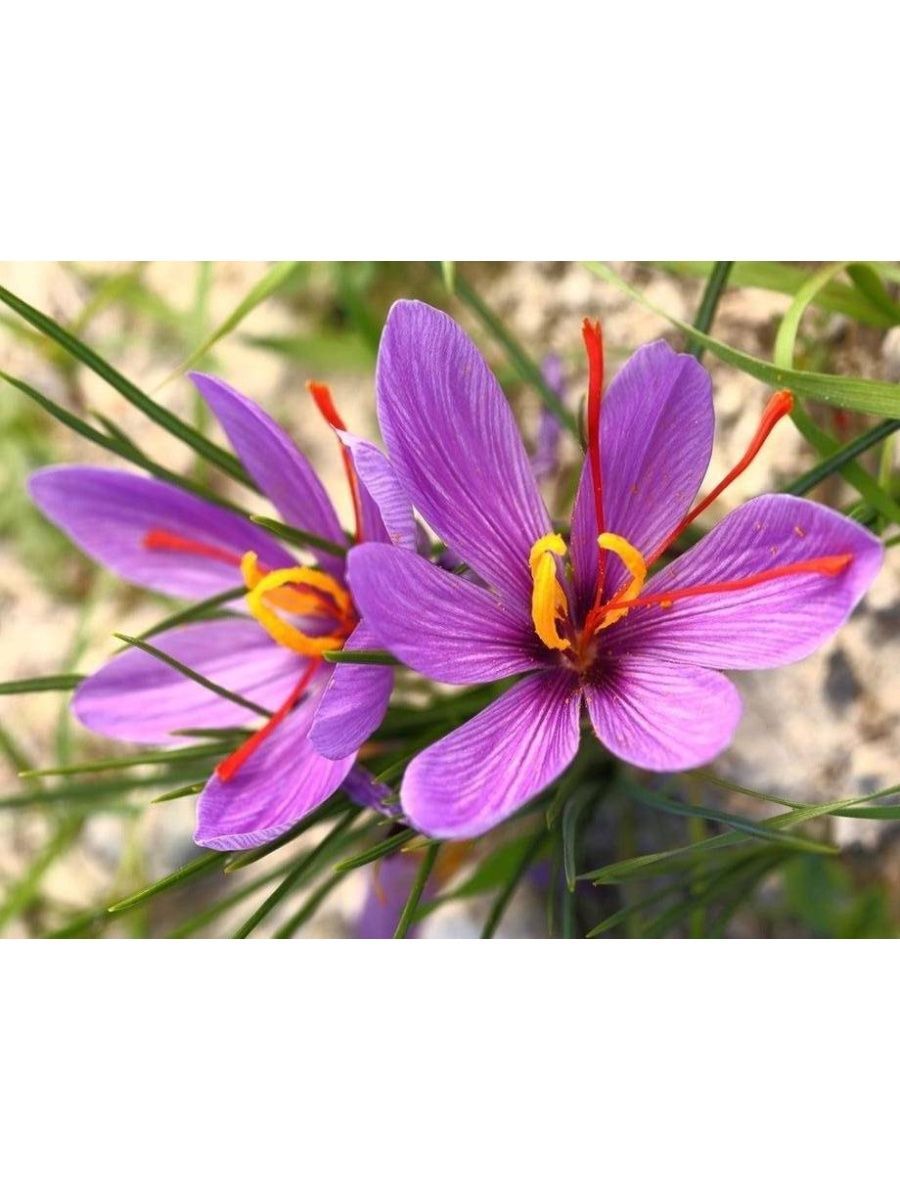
<point x="769" y="624"/>
<point x="661" y="716"/>
<point x="137" y="698"/>
<point x="275" y="464"/>
<point x="283" y="780"/>
<point x="455" y="447"/>
<point x="480" y="774"/>
<point x="354" y="701"/>
<point x="434" y="621"/>
<point x="382" y="491"/>
<point x="656" y="438"/>
<point x="108" y="513"/>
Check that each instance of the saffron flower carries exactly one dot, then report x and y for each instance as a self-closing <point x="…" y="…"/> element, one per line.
<point x="584" y="624"/>
<point x="160" y="537"/>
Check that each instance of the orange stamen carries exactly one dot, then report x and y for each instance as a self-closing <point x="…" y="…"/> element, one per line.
<point x="778" y="406"/>
<point x="321" y="394"/>
<point x="161" y="539"/>
<point x="229" y="767"/>
<point x="593" y="344"/>
<point x="828" y="565"/>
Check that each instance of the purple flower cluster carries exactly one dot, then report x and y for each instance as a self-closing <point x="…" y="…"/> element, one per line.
<point x="577" y="622"/>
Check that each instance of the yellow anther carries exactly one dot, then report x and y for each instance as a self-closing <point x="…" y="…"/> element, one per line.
<point x="305" y="591"/>
<point x="548" y="600"/>
<point x="634" y="562"/>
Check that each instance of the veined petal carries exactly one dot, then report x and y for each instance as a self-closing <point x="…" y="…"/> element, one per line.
<point x="354" y="701"/>
<point x="283" y="780"/>
<point x="136" y="698"/>
<point x="656" y="438"/>
<point x="381" y="492"/>
<point x="444" y="626"/>
<point x="108" y="514"/>
<point x="274" y="462"/>
<point x="662" y="716"/>
<point x="480" y="774"/>
<point x="766" y="625"/>
<point x="454" y="444"/>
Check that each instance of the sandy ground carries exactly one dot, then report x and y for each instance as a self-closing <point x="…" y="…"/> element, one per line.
<point x="825" y="727"/>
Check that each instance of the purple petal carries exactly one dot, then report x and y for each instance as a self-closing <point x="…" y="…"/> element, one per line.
<point x="545" y="460"/>
<point x="108" y="514"/>
<point x="382" y="495"/>
<point x="455" y="447"/>
<point x="474" y="778"/>
<point x="389" y="884"/>
<point x="365" y="790"/>
<point x="283" y="780"/>
<point x="275" y="464"/>
<point x="446" y="627"/>
<point x="656" y="438"/>
<point x="354" y="702"/>
<point x="769" y="624"/>
<point x="661" y="716"/>
<point x="137" y="698"/>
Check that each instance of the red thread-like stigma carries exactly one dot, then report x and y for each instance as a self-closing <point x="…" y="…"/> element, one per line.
<point x="161" y="539"/>
<point x="778" y="406"/>
<point x="321" y="394"/>
<point x="831" y="564"/>
<point x="593" y="344"/>
<point x="229" y="767"/>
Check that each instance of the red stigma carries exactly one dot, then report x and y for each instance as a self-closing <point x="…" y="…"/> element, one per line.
<point x="162" y="539"/>
<point x="593" y="344"/>
<point x="831" y="564"/>
<point x="779" y="405"/>
<point x="229" y="767"/>
<point x="321" y="394"/>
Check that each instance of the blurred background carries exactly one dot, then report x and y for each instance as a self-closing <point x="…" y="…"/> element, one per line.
<point x="824" y="728"/>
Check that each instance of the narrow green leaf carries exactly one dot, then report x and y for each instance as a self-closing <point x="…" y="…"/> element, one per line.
<point x="335" y="807"/>
<point x="572" y="814"/>
<point x="862" y="395"/>
<point x="277" y="277"/>
<point x="755" y="829"/>
<point x="201" y="919"/>
<point x="189" y="789"/>
<point x="190" y="673"/>
<point x="415" y="892"/>
<point x="787" y="279"/>
<point x="379" y="658"/>
<point x="188" y="754"/>
<point x="841" y="458"/>
<point x="526" y="367"/>
<point x="388" y="846"/>
<point x="193" y="612"/>
<point x="197" y="866"/>
<point x="709" y="302"/>
<point x="46" y="683"/>
<point x="297" y="873"/>
<point x="531" y="851"/>
<point x="214" y="454"/>
<point x="298" y="537"/>
<point x="309" y="907"/>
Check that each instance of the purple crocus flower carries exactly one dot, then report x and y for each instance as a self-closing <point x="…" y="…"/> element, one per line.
<point x="163" y="538"/>
<point x="584" y="624"/>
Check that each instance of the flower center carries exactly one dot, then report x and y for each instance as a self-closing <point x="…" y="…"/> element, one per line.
<point x="549" y="603"/>
<point x="303" y="591"/>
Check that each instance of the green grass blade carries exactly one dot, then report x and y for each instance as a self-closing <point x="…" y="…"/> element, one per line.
<point x="197" y="866"/>
<point x="498" y="908"/>
<point x="298" y="537"/>
<point x="388" y="846"/>
<point x="525" y="366"/>
<point x="709" y="302"/>
<point x="188" y="754"/>
<point x="415" y="892"/>
<point x="193" y="612"/>
<point x="277" y="277"/>
<point x="46" y="683"/>
<point x="571" y="817"/>
<point x="861" y="395"/>
<point x="214" y="454"/>
<point x="379" y="658"/>
<point x="296" y="874"/>
<point x="195" y="676"/>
